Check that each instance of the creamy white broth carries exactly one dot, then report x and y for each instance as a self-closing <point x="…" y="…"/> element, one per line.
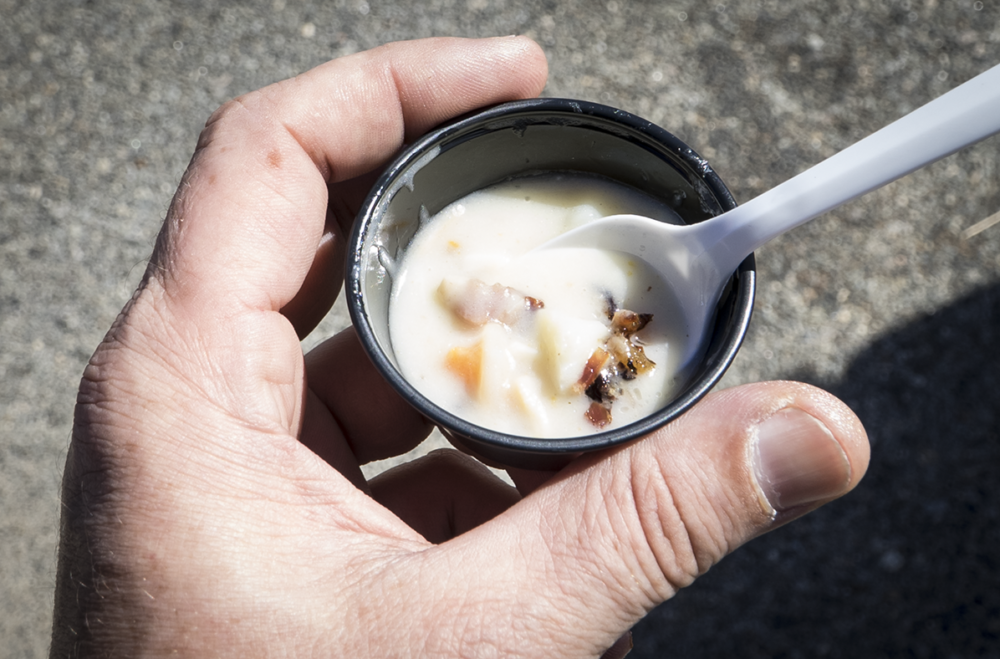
<point x="519" y="372"/>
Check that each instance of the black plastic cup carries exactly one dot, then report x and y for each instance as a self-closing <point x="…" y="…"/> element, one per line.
<point x="521" y="139"/>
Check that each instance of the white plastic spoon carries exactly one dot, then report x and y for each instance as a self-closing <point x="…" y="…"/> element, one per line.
<point x="698" y="259"/>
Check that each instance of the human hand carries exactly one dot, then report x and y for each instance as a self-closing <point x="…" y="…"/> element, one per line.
<point x="214" y="504"/>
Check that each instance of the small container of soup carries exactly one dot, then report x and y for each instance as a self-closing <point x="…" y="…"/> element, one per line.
<point x="527" y="357"/>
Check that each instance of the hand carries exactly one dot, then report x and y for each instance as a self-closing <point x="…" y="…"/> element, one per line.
<point x="214" y="505"/>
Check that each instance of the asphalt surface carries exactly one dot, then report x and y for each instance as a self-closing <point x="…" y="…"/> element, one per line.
<point x="891" y="302"/>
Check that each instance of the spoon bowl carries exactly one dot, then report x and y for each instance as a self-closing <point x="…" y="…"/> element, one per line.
<point x="678" y="253"/>
<point x="698" y="259"/>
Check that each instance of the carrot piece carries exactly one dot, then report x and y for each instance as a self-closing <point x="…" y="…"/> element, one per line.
<point x="467" y="363"/>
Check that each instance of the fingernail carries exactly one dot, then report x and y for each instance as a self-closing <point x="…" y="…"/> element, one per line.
<point x="797" y="461"/>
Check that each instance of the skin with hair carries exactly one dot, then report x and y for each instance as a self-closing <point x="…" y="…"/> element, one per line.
<point x="213" y="499"/>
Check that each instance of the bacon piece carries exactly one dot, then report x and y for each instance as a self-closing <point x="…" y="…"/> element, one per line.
<point x="631" y="358"/>
<point x="598" y="414"/>
<point x="619" y="359"/>
<point x="627" y="322"/>
<point x="605" y="388"/>
<point x="598" y="360"/>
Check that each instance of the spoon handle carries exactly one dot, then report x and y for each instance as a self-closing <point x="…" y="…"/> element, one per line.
<point x="964" y="115"/>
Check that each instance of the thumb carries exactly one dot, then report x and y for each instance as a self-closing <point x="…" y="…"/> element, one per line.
<point x="612" y="536"/>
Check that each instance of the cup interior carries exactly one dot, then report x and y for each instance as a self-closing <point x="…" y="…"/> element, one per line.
<point x="521" y="139"/>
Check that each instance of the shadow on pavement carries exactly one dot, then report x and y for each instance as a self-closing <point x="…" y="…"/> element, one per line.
<point x="909" y="564"/>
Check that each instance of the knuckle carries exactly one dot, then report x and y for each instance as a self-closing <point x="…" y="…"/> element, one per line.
<point x="669" y="550"/>
<point x="688" y="520"/>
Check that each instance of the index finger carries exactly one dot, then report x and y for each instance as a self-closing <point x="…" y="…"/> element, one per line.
<point x="246" y="223"/>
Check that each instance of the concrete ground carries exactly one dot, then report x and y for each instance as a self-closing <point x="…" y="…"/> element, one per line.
<point x="891" y="302"/>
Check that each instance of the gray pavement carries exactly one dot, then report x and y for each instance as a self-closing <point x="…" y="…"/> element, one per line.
<point x="890" y="302"/>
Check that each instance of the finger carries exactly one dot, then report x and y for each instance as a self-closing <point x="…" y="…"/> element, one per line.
<point x="612" y="536"/>
<point x="322" y="283"/>
<point x="245" y="225"/>
<point x="323" y="436"/>
<point x="443" y="494"/>
<point x="372" y="420"/>
<point x="529" y="480"/>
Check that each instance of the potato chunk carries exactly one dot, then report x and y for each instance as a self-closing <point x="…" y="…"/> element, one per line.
<point x="565" y="344"/>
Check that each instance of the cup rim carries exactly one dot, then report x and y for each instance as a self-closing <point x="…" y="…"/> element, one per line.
<point x="500" y="116"/>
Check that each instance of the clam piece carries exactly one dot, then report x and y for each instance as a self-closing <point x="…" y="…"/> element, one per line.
<point x="476" y="303"/>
